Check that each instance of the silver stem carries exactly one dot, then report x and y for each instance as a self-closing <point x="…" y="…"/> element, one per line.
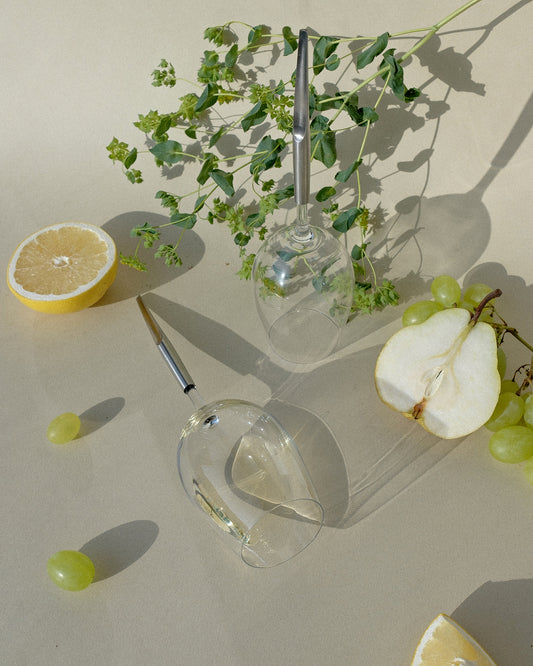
<point x="300" y="132"/>
<point x="172" y="359"/>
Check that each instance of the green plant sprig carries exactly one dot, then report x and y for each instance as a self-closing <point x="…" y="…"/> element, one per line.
<point x="221" y="82"/>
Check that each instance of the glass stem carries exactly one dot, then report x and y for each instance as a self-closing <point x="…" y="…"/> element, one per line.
<point x="195" y="397"/>
<point x="302" y="231"/>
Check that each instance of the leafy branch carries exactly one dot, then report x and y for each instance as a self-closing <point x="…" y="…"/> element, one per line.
<point x="198" y="122"/>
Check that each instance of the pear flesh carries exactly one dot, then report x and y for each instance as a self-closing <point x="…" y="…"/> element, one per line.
<point x="442" y="373"/>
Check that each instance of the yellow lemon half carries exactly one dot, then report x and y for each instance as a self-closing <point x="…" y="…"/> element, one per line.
<point x="445" y="643"/>
<point x="63" y="268"/>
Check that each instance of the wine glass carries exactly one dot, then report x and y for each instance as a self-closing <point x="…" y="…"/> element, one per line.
<point x="302" y="275"/>
<point x="243" y="471"/>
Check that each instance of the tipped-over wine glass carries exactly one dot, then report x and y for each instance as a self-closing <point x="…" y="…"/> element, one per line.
<point x="243" y="471"/>
<point x="303" y="276"/>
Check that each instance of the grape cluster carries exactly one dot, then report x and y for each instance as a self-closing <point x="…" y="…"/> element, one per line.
<point x="512" y="420"/>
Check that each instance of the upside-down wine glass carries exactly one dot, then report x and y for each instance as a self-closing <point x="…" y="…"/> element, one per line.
<point x="302" y="275"/>
<point x="241" y="468"/>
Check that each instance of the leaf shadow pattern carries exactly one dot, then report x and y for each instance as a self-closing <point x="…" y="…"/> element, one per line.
<point x="498" y="615"/>
<point x="120" y="547"/>
<point x="446" y="233"/>
<point x="130" y="282"/>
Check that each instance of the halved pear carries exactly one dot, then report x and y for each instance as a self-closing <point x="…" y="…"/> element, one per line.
<point x="443" y="373"/>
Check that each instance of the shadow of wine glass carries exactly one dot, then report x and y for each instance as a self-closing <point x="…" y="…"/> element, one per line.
<point x="432" y="236"/>
<point x="359" y="453"/>
<point x="130" y="282"/>
<point x="515" y="303"/>
<point x="121" y="546"/>
<point x="370" y="453"/>
<point x="320" y="454"/>
<point x="98" y="415"/>
<point x="498" y="615"/>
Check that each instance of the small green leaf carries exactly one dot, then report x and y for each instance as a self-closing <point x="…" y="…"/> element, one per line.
<point x="207" y="98"/>
<point x="199" y="204"/>
<point x="358" y="252"/>
<point x="255" y="116"/>
<point x="231" y="56"/>
<point x="183" y="220"/>
<point x="346" y="219"/>
<point x="267" y="155"/>
<point x="255" y="35"/>
<point x="168" y="152"/>
<point x="210" y="163"/>
<point x="319" y="283"/>
<point x="287" y="255"/>
<point x="411" y="94"/>
<point x="285" y="193"/>
<point x="325" y="193"/>
<point x="191" y="131"/>
<point x="342" y="176"/>
<point x="241" y="239"/>
<point x="333" y="62"/>
<point x="324" y="47"/>
<point x="216" y="136"/>
<point x="254" y="220"/>
<point x="290" y="41"/>
<point x="377" y="47"/>
<point x="164" y="125"/>
<point x="223" y="180"/>
<point x="215" y="35"/>
<point x="323" y="146"/>
<point x="395" y="79"/>
<point x="130" y="158"/>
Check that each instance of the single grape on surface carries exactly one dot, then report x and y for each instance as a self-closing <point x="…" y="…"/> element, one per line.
<point x="508" y="412"/>
<point x="71" y="570"/>
<point x="419" y="312"/>
<point x="446" y="290"/>
<point x="64" y="428"/>
<point x="512" y="444"/>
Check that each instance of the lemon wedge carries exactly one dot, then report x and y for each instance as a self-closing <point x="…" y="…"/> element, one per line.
<point x="445" y="643"/>
<point x="63" y="268"/>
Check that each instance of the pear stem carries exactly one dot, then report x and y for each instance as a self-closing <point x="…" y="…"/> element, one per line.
<point x="479" y="309"/>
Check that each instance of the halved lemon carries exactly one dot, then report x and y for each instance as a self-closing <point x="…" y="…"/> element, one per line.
<point x="445" y="643"/>
<point x="63" y="268"/>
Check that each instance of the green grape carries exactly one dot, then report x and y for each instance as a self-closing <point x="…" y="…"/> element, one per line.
<point x="502" y="362"/>
<point x="509" y="386"/>
<point x="71" y="570"/>
<point x="512" y="444"/>
<point x="446" y="290"/>
<point x="528" y="410"/>
<point x="419" y="312"/>
<point x="508" y="411"/>
<point x="63" y="428"/>
<point x="528" y="470"/>
<point x="475" y="293"/>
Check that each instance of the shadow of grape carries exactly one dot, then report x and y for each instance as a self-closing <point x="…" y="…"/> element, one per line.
<point x="98" y="415"/>
<point x="130" y="282"/>
<point x="121" y="546"/>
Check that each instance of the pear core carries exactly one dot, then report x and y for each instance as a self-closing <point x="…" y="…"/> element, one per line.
<point x="443" y="373"/>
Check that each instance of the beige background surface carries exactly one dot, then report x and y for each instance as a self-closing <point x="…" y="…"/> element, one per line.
<point x="450" y="531"/>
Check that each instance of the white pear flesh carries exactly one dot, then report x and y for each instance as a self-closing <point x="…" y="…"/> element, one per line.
<point x="442" y="372"/>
